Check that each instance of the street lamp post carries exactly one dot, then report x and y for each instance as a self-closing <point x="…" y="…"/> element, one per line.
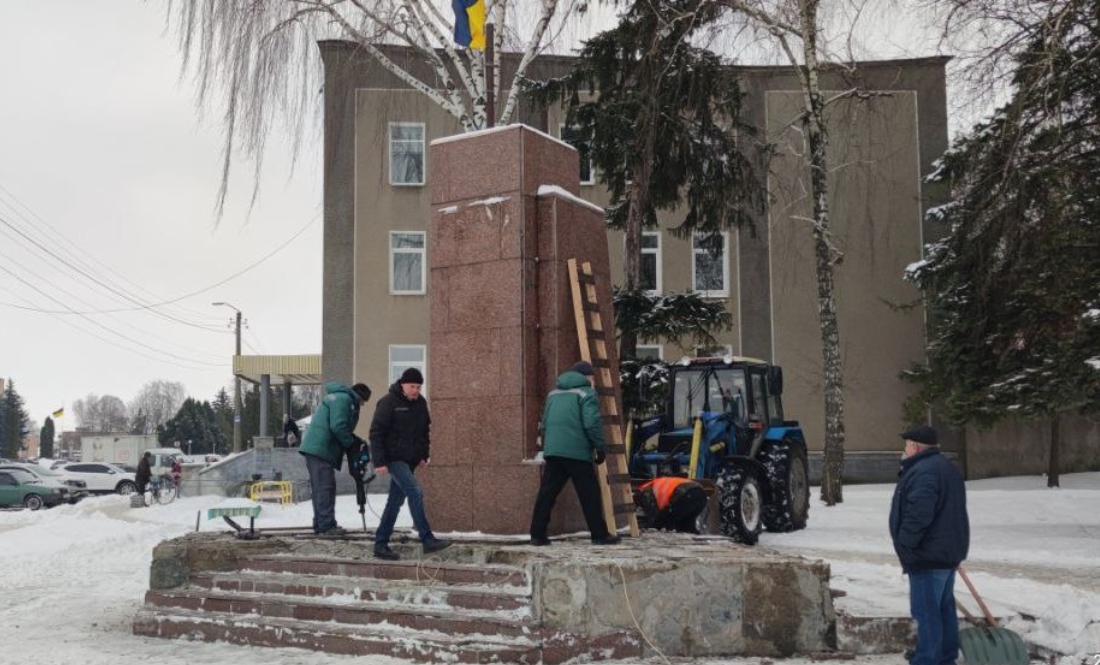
<point x="237" y="384"/>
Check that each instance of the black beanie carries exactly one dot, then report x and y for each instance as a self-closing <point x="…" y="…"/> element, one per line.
<point x="583" y="368"/>
<point x="411" y="375"/>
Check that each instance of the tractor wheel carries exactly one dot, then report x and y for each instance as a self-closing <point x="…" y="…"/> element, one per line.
<point x="787" y="475"/>
<point x="741" y="503"/>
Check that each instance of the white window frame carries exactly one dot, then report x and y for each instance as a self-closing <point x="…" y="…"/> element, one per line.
<point x="421" y="365"/>
<point x="658" y="252"/>
<point x="423" y="153"/>
<point x="660" y="350"/>
<point x="422" y="251"/>
<point x="591" y="167"/>
<point x="727" y="348"/>
<point x="725" y="291"/>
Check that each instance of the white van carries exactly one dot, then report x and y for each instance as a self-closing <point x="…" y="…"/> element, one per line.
<point x="162" y="460"/>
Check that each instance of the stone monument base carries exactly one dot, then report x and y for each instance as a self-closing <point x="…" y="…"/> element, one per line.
<point x="491" y="600"/>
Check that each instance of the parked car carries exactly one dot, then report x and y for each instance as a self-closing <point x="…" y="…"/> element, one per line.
<point x="101" y="477"/>
<point x="19" y="487"/>
<point x="77" y="488"/>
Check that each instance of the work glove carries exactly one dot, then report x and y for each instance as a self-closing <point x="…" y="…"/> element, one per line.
<point x="600" y="456"/>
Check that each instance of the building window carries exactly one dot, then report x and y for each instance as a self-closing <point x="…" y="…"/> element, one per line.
<point x="720" y="351"/>
<point x="406" y="153"/>
<point x="404" y="356"/>
<point x="651" y="261"/>
<point x="710" y="274"/>
<point x="407" y="263"/>
<point x="649" y="352"/>
<point x="573" y="137"/>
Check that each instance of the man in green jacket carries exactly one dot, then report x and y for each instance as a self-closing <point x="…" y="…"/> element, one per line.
<point x="330" y="436"/>
<point x="572" y="434"/>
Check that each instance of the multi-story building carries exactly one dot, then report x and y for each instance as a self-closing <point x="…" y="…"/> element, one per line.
<point x="882" y="143"/>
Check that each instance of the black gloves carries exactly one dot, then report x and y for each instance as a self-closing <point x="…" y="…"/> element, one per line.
<point x="600" y="456"/>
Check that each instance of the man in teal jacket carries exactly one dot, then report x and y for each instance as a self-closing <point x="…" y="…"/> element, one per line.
<point x="330" y="436"/>
<point x="572" y="434"/>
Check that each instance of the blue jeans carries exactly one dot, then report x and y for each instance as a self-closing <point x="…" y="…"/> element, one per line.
<point x="932" y="604"/>
<point x="322" y="484"/>
<point x="403" y="484"/>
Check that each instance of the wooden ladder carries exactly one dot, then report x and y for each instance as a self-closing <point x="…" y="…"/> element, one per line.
<point x="592" y="338"/>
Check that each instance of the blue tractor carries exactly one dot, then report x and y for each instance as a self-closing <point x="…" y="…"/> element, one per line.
<point x="723" y="426"/>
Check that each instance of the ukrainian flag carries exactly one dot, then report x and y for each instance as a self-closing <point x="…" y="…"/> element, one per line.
<point x="469" y="23"/>
<point x="60" y="412"/>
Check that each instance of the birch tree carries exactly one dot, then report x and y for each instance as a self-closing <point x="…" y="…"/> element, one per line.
<point x="259" y="60"/>
<point x="795" y="27"/>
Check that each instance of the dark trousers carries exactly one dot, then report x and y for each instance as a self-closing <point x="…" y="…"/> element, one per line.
<point x="683" y="509"/>
<point x="555" y="473"/>
<point x="322" y="484"/>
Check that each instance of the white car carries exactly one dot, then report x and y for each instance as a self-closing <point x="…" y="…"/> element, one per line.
<point x="101" y="477"/>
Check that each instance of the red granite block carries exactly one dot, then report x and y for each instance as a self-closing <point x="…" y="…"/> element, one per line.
<point x="440" y="301"/>
<point x="485" y="295"/>
<point x="448" y="496"/>
<point x="467" y="364"/>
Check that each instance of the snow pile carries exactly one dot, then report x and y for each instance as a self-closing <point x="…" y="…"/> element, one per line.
<point x="74" y="576"/>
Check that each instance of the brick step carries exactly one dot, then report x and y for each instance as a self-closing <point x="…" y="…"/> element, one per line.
<point x="354" y="612"/>
<point x="421" y="646"/>
<point x="410" y="592"/>
<point x="432" y="571"/>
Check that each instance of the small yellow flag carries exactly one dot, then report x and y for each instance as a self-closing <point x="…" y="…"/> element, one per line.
<point x="59" y="413"/>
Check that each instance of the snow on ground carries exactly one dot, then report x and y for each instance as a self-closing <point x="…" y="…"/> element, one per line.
<point x="73" y="577"/>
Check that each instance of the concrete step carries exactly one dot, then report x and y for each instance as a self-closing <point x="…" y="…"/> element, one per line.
<point x="432" y="571"/>
<point x="421" y="646"/>
<point x="511" y="599"/>
<point x="354" y="612"/>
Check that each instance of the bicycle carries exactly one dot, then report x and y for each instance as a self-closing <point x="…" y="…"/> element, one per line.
<point x="160" y="490"/>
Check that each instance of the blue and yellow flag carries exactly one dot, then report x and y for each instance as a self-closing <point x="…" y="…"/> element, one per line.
<point x="60" y="412"/>
<point x="470" y="23"/>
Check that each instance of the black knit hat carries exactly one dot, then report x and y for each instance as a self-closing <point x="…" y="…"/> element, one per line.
<point x="362" y="390"/>
<point x="921" y="434"/>
<point x="583" y="368"/>
<point x="412" y="375"/>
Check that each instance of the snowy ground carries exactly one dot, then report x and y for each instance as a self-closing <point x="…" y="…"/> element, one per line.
<point x="72" y="577"/>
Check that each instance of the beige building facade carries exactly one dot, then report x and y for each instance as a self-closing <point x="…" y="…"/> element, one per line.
<point x="883" y="142"/>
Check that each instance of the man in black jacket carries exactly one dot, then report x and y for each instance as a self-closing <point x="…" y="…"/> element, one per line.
<point x="931" y="533"/>
<point x="400" y="439"/>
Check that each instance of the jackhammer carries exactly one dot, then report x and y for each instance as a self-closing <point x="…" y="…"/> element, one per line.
<point x="358" y="461"/>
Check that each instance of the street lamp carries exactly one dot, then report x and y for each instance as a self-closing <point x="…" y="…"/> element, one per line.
<point x="237" y="383"/>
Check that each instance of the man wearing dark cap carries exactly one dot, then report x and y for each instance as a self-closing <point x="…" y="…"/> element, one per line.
<point x="331" y="435"/>
<point x="572" y="438"/>
<point x="400" y="439"/>
<point x="931" y="533"/>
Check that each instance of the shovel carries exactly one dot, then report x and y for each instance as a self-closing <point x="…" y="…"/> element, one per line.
<point x="987" y="643"/>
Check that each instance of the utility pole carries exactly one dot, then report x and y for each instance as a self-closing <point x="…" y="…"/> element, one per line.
<point x="237" y="385"/>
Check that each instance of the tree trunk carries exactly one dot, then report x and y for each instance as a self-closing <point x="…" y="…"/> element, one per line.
<point x="814" y="124"/>
<point x="1055" y="456"/>
<point x="642" y="173"/>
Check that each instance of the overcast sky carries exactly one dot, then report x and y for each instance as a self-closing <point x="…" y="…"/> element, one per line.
<point x="108" y="175"/>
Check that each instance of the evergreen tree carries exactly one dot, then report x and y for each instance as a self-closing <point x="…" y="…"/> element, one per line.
<point x="194" y="428"/>
<point x="45" y="439"/>
<point x="14" y="422"/>
<point x="223" y="413"/>
<point x="663" y="131"/>
<point x="1014" y="287"/>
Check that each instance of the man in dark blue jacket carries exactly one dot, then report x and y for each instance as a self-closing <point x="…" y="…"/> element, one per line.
<point x="931" y="534"/>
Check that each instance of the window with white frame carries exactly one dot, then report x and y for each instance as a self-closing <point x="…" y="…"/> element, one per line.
<point x="575" y="138"/>
<point x="406" y="356"/>
<point x="651" y="261"/>
<point x="406" y="153"/>
<point x="408" y="264"/>
<point x="649" y="352"/>
<point x="719" y="351"/>
<point x="710" y="273"/>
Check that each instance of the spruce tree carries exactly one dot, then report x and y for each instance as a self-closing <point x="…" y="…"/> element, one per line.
<point x="662" y="128"/>
<point x="1014" y="287"/>
<point x="13" y="422"/>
